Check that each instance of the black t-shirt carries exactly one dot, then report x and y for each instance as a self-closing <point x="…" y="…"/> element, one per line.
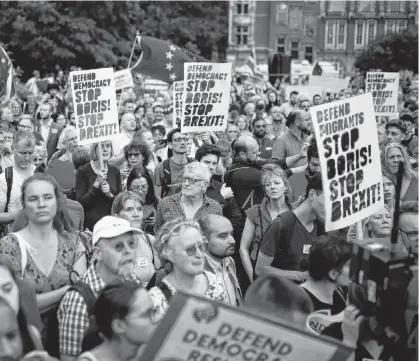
<point x="318" y="305"/>
<point x="289" y="252"/>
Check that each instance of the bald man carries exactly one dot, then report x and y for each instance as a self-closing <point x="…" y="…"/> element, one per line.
<point x="218" y="230"/>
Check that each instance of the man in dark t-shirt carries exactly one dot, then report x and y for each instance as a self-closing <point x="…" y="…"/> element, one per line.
<point x="288" y="240"/>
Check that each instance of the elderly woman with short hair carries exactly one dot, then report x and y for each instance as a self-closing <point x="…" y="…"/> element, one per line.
<point x="181" y="248"/>
<point x="191" y="202"/>
<point x="97" y="184"/>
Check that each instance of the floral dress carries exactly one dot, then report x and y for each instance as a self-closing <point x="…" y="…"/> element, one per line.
<point x="215" y="292"/>
<point x="68" y="253"/>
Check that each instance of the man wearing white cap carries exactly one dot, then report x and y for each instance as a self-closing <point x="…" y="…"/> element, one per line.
<point x="115" y="244"/>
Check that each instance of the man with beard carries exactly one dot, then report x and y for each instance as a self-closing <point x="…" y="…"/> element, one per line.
<point x="218" y="231"/>
<point x="278" y="123"/>
<point x="115" y="247"/>
<point x="291" y="105"/>
<point x="259" y="133"/>
<point x="49" y="130"/>
<point x="292" y="146"/>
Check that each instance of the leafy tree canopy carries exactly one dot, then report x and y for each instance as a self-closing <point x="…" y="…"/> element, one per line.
<point x="39" y="35"/>
<point x="392" y="53"/>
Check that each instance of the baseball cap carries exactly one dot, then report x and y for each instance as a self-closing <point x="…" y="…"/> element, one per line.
<point x="109" y="227"/>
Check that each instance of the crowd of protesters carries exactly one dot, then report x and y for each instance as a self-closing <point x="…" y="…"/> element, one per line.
<point x="92" y="252"/>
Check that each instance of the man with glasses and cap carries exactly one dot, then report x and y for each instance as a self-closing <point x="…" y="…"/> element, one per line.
<point x="115" y="245"/>
<point x="191" y="203"/>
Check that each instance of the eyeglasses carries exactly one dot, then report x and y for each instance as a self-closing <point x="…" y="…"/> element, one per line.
<point x="137" y="188"/>
<point x="135" y="155"/>
<point x="120" y="246"/>
<point x="192" y="250"/>
<point x="413" y="234"/>
<point x="191" y="180"/>
<point x="24" y="127"/>
<point x="178" y="140"/>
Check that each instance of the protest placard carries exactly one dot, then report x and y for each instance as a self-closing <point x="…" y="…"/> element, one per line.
<point x="123" y="79"/>
<point x="206" y="97"/>
<point x="198" y="329"/>
<point x="177" y="103"/>
<point x="385" y="91"/>
<point x="346" y="135"/>
<point x="95" y="105"/>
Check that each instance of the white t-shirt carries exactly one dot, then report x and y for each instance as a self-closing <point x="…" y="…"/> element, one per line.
<point x="19" y="177"/>
<point x="119" y="142"/>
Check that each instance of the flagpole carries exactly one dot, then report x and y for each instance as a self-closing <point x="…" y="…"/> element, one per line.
<point x="129" y="63"/>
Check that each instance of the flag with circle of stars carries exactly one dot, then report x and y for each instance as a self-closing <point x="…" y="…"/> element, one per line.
<point x="6" y="75"/>
<point x="162" y="60"/>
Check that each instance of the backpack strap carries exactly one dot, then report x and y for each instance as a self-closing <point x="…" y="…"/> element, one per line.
<point x="167" y="176"/>
<point x="9" y="181"/>
<point x="86" y="292"/>
<point x="166" y="291"/>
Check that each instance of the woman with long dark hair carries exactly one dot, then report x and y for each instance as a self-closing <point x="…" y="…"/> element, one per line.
<point x="272" y="100"/>
<point x="139" y="181"/>
<point x="124" y="316"/>
<point x="47" y="251"/>
<point x="259" y="217"/>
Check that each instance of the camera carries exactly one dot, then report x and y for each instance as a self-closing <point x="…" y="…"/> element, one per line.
<point x="383" y="275"/>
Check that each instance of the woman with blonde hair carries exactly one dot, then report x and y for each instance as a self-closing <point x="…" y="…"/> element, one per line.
<point x="47" y="251"/>
<point x="391" y="156"/>
<point x="259" y="217"/>
<point x="40" y="158"/>
<point x="97" y="184"/>
<point x="243" y="125"/>
<point x="181" y="248"/>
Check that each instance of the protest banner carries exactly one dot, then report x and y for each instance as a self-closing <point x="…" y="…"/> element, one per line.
<point x="95" y="105"/>
<point x="198" y="329"/>
<point x="206" y="97"/>
<point x="385" y="91"/>
<point x="123" y="79"/>
<point x="346" y="135"/>
<point x="177" y="103"/>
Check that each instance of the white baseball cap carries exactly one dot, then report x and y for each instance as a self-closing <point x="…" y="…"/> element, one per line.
<point x="109" y="227"/>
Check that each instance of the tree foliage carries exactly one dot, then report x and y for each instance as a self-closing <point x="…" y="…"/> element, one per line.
<point x="391" y="53"/>
<point x="39" y="35"/>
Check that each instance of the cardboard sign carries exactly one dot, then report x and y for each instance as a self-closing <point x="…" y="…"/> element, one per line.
<point x="346" y="134"/>
<point x="385" y="91"/>
<point x="177" y="102"/>
<point x="95" y="105"/>
<point x="198" y="329"/>
<point x="123" y="79"/>
<point x="206" y="97"/>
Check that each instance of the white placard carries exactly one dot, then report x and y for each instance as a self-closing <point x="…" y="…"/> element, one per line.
<point x="123" y="79"/>
<point x="95" y="105"/>
<point x="206" y="97"/>
<point x="385" y="91"/>
<point x="346" y="134"/>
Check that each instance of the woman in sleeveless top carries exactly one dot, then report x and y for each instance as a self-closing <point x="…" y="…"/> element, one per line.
<point x="124" y="316"/>
<point x="47" y="251"/>
<point x="181" y="249"/>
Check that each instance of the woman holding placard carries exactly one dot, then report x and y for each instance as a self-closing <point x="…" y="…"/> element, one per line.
<point x="97" y="184"/>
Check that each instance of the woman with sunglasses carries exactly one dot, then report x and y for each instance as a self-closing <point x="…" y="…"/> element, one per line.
<point x="137" y="156"/>
<point x="140" y="182"/>
<point x="47" y="251"/>
<point x="181" y="248"/>
<point x="391" y="156"/>
<point x="124" y="317"/>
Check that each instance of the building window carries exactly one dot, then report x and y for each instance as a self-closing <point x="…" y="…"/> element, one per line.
<point x="371" y="32"/>
<point x="309" y="54"/>
<point x="337" y="6"/>
<point x="395" y="26"/>
<point x="341" y="34"/>
<point x="396" y="6"/>
<point x="310" y="22"/>
<point x="281" y="45"/>
<point x="359" y="34"/>
<point x="242" y="8"/>
<point x="282" y="14"/>
<point x="242" y="35"/>
<point x="330" y="35"/>
<point x="295" y="54"/>
<point x="296" y="18"/>
<point x="366" y="6"/>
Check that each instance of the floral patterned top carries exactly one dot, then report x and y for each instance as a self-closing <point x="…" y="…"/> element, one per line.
<point x="215" y="292"/>
<point x="69" y="251"/>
